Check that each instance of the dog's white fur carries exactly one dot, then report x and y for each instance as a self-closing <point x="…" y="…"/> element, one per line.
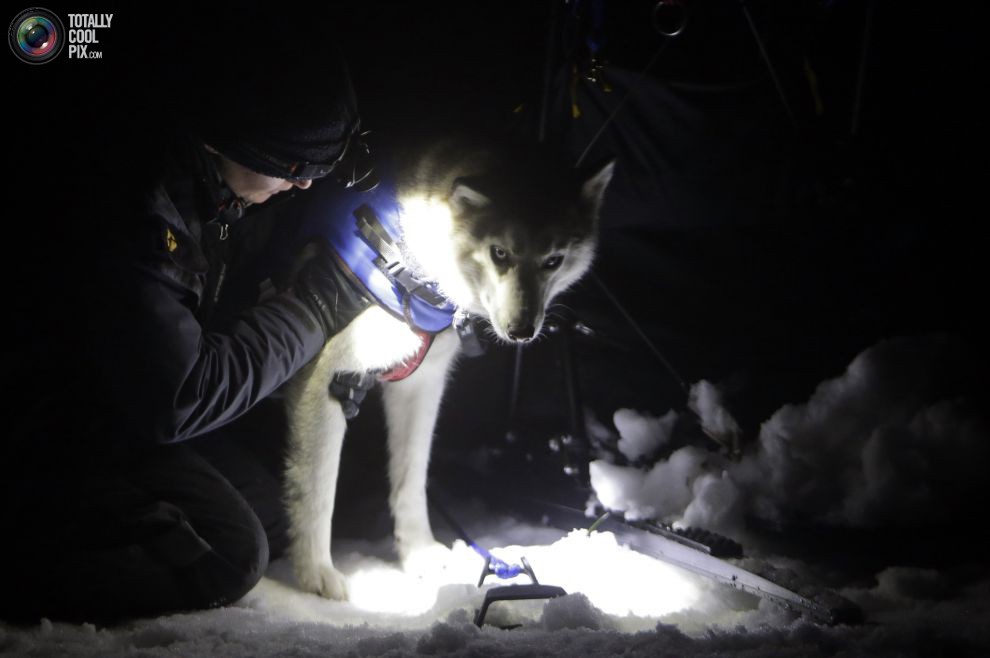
<point x="465" y="272"/>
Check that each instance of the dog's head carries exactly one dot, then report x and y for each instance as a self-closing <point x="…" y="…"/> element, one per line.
<point x="518" y="237"/>
<point x="522" y="246"/>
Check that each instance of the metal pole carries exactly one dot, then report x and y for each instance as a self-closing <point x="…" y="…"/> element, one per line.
<point x="766" y="59"/>
<point x="642" y="334"/>
<point x="577" y="450"/>
<point x="514" y="392"/>
<point x="861" y="77"/>
<point x="548" y="71"/>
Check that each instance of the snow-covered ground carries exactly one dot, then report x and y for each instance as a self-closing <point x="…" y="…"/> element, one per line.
<point x="872" y="448"/>
<point x="909" y="612"/>
<point x="895" y="440"/>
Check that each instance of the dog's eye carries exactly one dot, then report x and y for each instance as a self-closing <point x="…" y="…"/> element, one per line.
<point x="553" y="262"/>
<point x="499" y="255"/>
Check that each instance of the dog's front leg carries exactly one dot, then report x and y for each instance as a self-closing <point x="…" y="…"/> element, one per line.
<point x="316" y="435"/>
<point x="411" y="407"/>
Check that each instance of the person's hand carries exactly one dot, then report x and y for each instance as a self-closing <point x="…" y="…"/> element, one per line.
<point x="350" y="389"/>
<point x="324" y="289"/>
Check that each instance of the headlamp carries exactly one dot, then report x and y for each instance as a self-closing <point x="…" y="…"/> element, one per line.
<point x="353" y="167"/>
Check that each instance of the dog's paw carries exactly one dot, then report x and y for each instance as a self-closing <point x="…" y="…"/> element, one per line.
<point x="323" y="579"/>
<point x="425" y="558"/>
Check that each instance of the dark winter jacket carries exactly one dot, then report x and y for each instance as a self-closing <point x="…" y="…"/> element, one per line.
<point x="168" y="374"/>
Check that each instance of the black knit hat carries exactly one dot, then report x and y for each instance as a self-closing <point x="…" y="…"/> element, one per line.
<point x="282" y="107"/>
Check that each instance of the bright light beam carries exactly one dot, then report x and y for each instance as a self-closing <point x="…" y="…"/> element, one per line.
<point x="616" y="580"/>
<point x="428" y="231"/>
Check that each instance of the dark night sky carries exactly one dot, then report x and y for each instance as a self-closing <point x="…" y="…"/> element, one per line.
<point x="757" y="257"/>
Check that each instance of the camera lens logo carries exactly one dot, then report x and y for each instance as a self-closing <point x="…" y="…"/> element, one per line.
<point x="36" y="36"/>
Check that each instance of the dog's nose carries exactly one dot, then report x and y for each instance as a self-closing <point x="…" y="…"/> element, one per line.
<point x="521" y="330"/>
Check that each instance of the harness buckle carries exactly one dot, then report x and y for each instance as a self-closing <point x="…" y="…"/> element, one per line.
<point x="390" y="260"/>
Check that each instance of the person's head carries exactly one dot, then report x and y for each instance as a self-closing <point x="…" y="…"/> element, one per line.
<point x="251" y="185"/>
<point x="277" y="113"/>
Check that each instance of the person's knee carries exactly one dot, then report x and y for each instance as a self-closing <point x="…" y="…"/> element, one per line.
<point x="254" y="561"/>
<point x="230" y="569"/>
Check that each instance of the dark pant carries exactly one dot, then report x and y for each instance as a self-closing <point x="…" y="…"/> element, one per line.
<point x="161" y="530"/>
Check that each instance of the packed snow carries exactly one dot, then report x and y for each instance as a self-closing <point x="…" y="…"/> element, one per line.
<point x="869" y="448"/>
<point x="911" y="612"/>
<point x="887" y="442"/>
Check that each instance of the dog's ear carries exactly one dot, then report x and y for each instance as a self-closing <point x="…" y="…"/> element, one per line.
<point x="593" y="188"/>
<point x="465" y="197"/>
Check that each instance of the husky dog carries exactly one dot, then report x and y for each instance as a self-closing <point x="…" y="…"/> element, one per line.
<point x="500" y="235"/>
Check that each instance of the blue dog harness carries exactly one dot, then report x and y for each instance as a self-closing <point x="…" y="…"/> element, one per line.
<point x="363" y="231"/>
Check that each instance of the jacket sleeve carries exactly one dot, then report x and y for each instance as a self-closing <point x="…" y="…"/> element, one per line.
<point x="171" y="379"/>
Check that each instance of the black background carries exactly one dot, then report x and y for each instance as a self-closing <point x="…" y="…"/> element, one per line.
<point x="753" y="255"/>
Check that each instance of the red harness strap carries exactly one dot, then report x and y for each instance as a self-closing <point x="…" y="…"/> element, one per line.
<point x="409" y="366"/>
